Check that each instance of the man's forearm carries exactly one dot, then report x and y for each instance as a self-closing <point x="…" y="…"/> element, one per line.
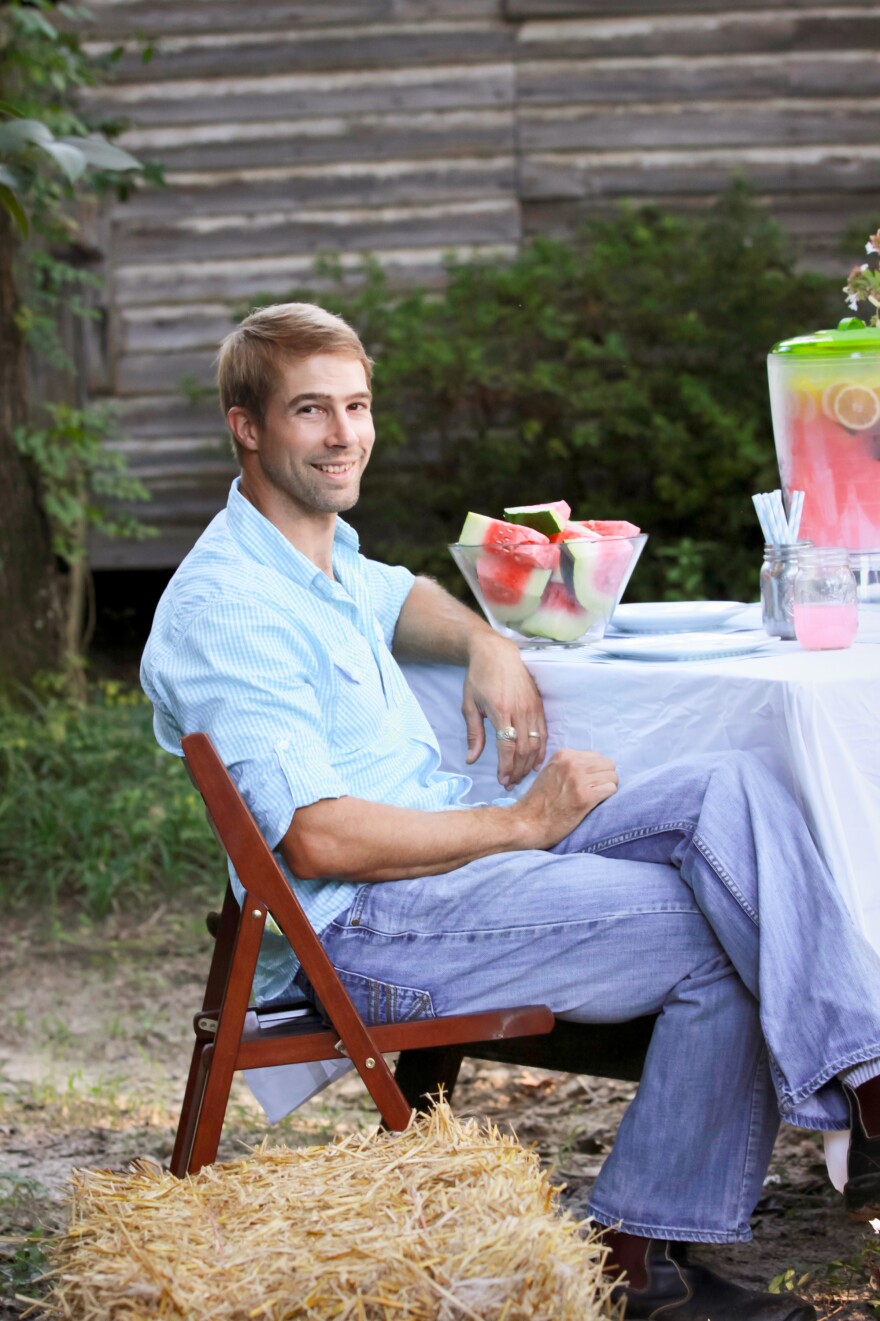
<point x="434" y="626"/>
<point x="358" y="840"/>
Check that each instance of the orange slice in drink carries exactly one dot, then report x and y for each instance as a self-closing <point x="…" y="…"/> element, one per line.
<point x="829" y="396"/>
<point x="856" y="407"/>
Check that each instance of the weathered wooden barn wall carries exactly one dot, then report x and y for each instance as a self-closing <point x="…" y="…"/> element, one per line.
<point x="291" y="128"/>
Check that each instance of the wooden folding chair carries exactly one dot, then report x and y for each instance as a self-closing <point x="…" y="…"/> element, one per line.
<point x="228" y="1032"/>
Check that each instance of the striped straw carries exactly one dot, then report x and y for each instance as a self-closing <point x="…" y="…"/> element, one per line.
<point x="794" y="516"/>
<point x="777" y="529"/>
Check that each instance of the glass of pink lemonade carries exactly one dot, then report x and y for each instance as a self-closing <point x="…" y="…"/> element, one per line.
<point x="825" y="607"/>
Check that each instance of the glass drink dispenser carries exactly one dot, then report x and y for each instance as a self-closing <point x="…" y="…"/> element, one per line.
<point x="825" y="402"/>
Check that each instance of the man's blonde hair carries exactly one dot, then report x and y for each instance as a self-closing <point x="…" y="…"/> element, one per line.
<point x="251" y="356"/>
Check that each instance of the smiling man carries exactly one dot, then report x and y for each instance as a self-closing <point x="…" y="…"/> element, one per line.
<point x="694" y="892"/>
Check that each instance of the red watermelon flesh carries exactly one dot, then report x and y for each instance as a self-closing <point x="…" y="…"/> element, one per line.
<point x="611" y="527"/>
<point x="511" y="583"/>
<point x="559" y="616"/>
<point x="597" y="571"/>
<point x="575" y="532"/>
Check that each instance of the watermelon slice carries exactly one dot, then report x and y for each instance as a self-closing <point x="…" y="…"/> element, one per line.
<point x="511" y="586"/>
<point x="558" y="616"/>
<point x="547" y="518"/>
<point x="574" y="532"/>
<point x="480" y="530"/>
<point x="611" y="527"/>
<point x="598" y="571"/>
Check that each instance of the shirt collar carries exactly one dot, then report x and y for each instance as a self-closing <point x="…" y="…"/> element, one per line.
<point x="262" y="541"/>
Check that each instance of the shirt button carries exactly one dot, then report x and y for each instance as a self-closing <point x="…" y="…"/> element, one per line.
<point x="283" y="745"/>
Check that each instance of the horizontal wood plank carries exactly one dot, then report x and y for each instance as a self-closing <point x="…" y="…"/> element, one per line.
<point x="134" y="18"/>
<point x="695" y="124"/>
<point x="674" y="78"/>
<point x="523" y="10"/>
<point x="278" y="144"/>
<point x="301" y="230"/>
<point x="312" y="97"/>
<point x="772" y="29"/>
<point x="244" y="279"/>
<point x="662" y="173"/>
<point x="289" y="49"/>
<point x="355" y="183"/>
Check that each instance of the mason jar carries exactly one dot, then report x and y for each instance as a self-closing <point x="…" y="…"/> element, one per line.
<point x="778" y="573"/>
<point x="826" y="612"/>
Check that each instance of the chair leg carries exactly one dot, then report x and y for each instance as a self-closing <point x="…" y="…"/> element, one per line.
<point x="421" y="1073"/>
<point x="190" y="1111"/>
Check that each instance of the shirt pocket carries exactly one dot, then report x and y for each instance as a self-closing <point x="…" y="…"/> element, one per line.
<point x="358" y="705"/>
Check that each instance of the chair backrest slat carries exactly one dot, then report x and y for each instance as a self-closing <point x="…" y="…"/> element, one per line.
<point x="261" y="876"/>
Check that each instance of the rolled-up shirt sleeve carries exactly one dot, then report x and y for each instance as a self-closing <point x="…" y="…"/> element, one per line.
<point x="389" y="587"/>
<point x="242" y="675"/>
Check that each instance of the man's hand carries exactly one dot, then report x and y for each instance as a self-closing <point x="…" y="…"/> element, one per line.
<point x="434" y="626"/>
<point x="498" y="687"/>
<point x="567" y="789"/>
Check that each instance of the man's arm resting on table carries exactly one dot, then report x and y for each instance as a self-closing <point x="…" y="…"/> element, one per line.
<point x="353" y="839"/>
<point x="433" y="626"/>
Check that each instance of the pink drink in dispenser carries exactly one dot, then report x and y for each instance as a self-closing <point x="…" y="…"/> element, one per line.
<point x="825" y="401"/>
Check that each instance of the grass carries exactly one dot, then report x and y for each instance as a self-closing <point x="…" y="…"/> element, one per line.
<point x="92" y="810"/>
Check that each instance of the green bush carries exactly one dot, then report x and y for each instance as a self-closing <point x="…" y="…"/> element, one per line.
<point x="92" y="810"/>
<point x="623" y="371"/>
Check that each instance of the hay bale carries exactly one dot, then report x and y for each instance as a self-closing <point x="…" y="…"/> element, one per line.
<point x="445" y="1222"/>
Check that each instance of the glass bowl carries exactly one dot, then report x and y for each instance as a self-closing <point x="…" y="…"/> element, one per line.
<point x="550" y="594"/>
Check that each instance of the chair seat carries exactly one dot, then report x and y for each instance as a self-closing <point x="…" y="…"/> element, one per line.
<point x="304" y="1036"/>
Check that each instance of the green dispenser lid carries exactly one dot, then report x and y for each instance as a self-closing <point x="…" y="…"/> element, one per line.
<point x="851" y="337"/>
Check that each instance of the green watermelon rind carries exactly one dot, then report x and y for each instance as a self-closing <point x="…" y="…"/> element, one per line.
<point x="546" y="518"/>
<point x="584" y="556"/>
<point x="477" y="527"/>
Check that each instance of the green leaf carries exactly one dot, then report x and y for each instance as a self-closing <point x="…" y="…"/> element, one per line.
<point x="6" y="108"/>
<point x="22" y="133"/>
<point x="13" y="207"/>
<point x="102" y="154"/>
<point x="70" y="160"/>
<point x="9" y="178"/>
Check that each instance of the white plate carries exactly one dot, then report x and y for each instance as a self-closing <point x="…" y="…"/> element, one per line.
<point x="685" y="646"/>
<point x="673" y="616"/>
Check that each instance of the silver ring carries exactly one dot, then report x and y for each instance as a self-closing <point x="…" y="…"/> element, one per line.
<point x="534" y="733"/>
<point x="506" y="735"/>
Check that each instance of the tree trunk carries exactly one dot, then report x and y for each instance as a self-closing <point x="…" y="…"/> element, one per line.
<point x="31" y="617"/>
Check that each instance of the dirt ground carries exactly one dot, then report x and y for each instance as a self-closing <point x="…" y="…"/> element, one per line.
<point x="94" y="1044"/>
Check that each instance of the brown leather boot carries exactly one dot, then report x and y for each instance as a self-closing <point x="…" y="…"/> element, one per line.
<point x="662" y="1283"/>
<point x="861" y="1196"/>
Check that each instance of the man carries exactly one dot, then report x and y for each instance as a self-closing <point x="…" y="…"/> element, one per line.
<point x="694" y="892"/>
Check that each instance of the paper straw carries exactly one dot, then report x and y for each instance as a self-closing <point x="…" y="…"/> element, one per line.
<point x="794" y="517"/>
<point x="756" y="501"/>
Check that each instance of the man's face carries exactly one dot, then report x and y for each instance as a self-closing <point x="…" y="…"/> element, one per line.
<point x="317" y="435"/>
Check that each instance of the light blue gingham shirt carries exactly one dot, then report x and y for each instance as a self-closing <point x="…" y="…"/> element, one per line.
<point x="292" y="676"/>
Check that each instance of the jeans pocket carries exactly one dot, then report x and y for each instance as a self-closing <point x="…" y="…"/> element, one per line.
<point x="385" y="1002"/>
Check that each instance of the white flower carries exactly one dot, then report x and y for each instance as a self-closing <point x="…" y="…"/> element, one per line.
<point x="853" y="301"/>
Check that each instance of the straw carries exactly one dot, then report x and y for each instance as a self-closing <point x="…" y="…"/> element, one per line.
<point x="449" y="1221"/>
<point x="777" y="529"/>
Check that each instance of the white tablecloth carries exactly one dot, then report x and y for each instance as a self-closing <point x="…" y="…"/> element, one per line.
<point x="812" y="717"/>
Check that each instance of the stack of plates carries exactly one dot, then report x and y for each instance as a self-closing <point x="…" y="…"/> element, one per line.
<point x="683" y="630"/>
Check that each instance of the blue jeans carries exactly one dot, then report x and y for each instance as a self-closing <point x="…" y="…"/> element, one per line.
<point x="696" y="893"/>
